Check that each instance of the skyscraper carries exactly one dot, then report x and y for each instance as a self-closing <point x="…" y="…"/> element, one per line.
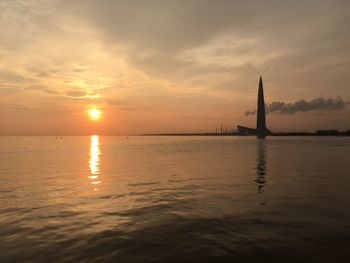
<point x="261" y="130"/>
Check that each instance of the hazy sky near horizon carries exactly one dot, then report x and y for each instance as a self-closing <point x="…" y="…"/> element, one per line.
<point x="172" y="66"/>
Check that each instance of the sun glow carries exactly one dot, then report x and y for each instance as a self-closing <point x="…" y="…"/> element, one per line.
<point x="94" y="114"/>
<point x="94" y="162"/>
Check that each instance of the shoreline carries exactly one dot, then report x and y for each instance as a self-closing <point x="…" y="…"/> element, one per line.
<point x="340" y="134"/>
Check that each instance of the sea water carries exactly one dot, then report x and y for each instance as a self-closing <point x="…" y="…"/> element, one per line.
<point x="174" y="199"/>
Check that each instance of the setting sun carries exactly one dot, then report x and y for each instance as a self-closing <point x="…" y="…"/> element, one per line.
<point x="94" y="114"/>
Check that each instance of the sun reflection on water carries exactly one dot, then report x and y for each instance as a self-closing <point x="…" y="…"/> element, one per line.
<point x="94" y="162"/>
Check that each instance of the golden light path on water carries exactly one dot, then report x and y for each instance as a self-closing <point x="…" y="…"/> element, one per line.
<point x="94" y="162"/>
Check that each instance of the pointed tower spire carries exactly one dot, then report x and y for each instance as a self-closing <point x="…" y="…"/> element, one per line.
<point x="260" y="120"/>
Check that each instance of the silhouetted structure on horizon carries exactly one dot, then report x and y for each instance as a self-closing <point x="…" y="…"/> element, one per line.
<point x="261" y="131"/>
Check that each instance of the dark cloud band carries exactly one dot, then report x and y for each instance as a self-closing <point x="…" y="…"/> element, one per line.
<point x="316" y="104"/>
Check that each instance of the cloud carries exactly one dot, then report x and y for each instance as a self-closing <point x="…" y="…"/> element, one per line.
<point x="316" y="104"/>
<point x="149" y="55"/>
<point x="277" y="105"/>
<point x="74" y="93"/>
<point x="50" y="91"/>
<point x="15" y="106"/>
<point x="10" y="89"/>
<point x="229" y="33"/>
<point x="248" y="112"/>
<point x="12" y="77"/>
<point x="6" y="89"/>
<point x="115" y="102"/>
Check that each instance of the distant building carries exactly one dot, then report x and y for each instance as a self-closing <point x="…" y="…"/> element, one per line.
<point x="245" y="130"/>
<point x="261" y="131"/>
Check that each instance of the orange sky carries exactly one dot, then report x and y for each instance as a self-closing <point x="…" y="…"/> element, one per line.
<point x="170" y="66"/>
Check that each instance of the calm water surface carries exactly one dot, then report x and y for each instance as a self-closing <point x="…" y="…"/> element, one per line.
<point x="174" y="199"/>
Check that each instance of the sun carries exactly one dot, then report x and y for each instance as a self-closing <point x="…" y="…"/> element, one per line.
<point x="94" y="114"/>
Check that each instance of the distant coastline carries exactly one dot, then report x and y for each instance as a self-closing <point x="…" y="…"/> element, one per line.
<point x="317" y="133"/>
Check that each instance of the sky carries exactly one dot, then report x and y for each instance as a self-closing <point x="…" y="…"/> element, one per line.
<point x="172" y="66"/>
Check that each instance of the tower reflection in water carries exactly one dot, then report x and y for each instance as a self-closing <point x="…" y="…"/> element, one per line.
<point x="94" y="162"/>
<point x="261" y="165"/>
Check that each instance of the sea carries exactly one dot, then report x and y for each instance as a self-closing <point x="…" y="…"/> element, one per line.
<point x="174" y="199"/>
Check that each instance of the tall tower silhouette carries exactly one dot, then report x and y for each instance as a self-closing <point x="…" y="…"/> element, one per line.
<point x="261" y="130"/>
